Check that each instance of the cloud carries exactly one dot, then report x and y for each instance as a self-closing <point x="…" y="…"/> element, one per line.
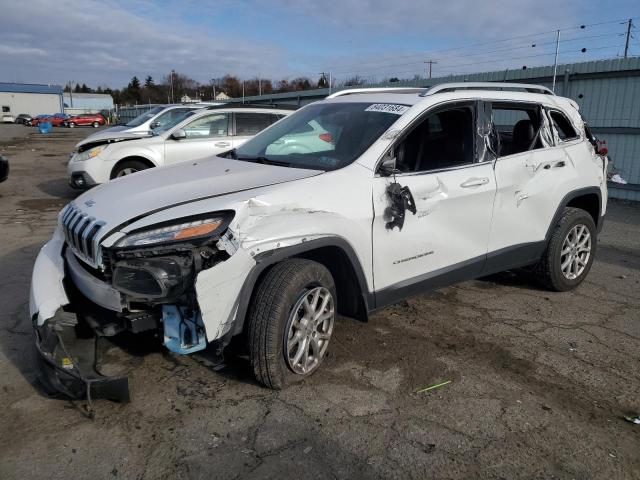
<point x="102" y="43"/>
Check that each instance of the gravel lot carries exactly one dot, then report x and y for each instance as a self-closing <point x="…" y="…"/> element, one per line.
<point x="540" y="381"/>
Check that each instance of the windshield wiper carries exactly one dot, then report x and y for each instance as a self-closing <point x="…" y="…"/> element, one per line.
<point x="263" y="160"/>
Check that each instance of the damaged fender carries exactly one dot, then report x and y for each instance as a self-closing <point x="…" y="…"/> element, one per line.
<point x="47" y="291"/>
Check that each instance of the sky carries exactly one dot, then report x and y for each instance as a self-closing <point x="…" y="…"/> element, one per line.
<point x="105" y="43"/>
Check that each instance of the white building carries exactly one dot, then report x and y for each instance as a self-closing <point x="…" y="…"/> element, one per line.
<point x="17" y="98"/>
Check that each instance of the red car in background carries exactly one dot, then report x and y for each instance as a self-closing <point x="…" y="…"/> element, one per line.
<point x="89" y="119"/>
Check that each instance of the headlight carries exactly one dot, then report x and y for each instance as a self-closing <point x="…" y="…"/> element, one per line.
<point x="91" y="153"/>
<point x="173" y="233"/>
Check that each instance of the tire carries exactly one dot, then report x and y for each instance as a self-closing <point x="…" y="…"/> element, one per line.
<point x="565" y="248"/>
<point x="127" y="168"/>
<point x="72" y="125"/>
<point x="95" y="124"/>
<point x="277" y="311"/>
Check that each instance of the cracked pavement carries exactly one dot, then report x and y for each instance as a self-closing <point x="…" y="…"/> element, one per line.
<point x="540" y="380"/>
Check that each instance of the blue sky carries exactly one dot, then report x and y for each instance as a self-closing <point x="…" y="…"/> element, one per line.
<point x="107" y="42"/>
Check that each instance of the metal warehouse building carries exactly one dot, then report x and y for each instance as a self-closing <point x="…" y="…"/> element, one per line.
<point x="607" y="91"/>
<point x="33" y="99"/>
<point x="75" y="103"/>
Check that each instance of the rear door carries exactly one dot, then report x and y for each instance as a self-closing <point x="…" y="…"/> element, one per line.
<point x="207" y="135"/>
<point x="442" y="162"/>
<point x="248" y="124"/>
<point x="530" y="172"/>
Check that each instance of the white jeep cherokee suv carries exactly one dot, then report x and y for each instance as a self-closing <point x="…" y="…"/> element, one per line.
<point x="406" y="191"/>
<point x="191" y="135"/>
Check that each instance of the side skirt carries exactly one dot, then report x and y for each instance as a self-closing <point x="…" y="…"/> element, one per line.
<point x="494" y="262"/>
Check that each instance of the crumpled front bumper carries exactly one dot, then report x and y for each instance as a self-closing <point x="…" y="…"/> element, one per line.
<point x="66" y="347"/>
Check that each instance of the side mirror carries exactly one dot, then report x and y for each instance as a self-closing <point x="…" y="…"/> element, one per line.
<point x="155" y="124"/>
<point x="179" y="134"/>
<point x="388" y="165"/>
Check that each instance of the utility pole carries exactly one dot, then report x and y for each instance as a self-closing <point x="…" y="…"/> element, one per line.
<point x="430" y="63"/>
<point x="555" y="64"/>
<point x="70" y="94"/>
<point x="172" y="72"/>
<point x="243" y="91"/>
<point x="626" y="45"/>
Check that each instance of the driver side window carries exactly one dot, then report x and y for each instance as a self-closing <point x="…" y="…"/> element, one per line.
<point x="209" y="126"/>
<point x="444" y="139"/>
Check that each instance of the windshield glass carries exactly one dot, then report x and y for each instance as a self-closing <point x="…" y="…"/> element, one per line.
<point x="139" y="120"/>
<point x="323" y="136"/>
<point x="172" y="123"/>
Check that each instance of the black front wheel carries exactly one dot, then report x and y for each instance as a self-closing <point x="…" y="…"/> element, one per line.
<point x="291" y="320"/>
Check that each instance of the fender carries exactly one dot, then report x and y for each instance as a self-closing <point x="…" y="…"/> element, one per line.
<point x="267" y="259"/>
<point x="565" y="201"/>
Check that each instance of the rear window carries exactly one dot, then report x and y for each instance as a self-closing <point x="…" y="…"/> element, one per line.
<point x="562" y="126"/>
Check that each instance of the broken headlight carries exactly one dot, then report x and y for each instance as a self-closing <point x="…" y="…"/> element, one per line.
<point x="191" y="230"/>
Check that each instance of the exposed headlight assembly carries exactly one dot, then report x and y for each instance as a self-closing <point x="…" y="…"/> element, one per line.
<point x="91" y="153"/>
<point x="191" y="230"/>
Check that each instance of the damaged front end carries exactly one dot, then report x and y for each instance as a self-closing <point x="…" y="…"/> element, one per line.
<point x="144" y="284"/>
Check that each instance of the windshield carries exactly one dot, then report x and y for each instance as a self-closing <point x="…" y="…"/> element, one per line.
<point x="323" y="136"/>
<point x="139" y="120"/>
<point x="172" y="123"/>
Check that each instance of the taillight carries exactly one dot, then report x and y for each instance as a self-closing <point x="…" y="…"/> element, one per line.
<point x="327" y="137"/>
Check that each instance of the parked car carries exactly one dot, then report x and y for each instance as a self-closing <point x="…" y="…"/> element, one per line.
<point x="7" y="116"/>
<point x="23" y="118"/>
<point x="143" y="124"/>
<point x="421" y="188"/>
<point x="58" y="119"/>
<point x="4" y="169"/>
<point x="85" y="119"/>
<point x="35" y="121"/>
<point x="191" y="136"/>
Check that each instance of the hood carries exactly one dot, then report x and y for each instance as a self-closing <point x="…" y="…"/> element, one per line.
<point x="112" y="138"/>
<point x="124" y="199"/>
<point x="110" y="134"/>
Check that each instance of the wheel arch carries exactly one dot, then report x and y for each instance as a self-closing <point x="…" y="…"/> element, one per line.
<point x="588" y="199"/>
<point x="138" y="158"/>
<point x="336" y="254"/>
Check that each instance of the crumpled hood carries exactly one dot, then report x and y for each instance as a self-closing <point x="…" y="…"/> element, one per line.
<point x="125" y="199"/>
<point x="120" y="131"/>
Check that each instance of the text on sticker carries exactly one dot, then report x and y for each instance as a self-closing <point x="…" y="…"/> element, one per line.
<point x="387" y="108"/>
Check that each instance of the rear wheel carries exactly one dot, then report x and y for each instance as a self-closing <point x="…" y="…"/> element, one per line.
<point x="128" y="167"/>
<point x="290" y="322"/>
<point x="569" y="255"/>
<point x="96" y="124"/>
<point x="72" y="125"/>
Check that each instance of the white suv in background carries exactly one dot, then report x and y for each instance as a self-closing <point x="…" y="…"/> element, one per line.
<point x="408" y="190"/>
<point x="190" y="136"/>
<point x="143" y="124"/>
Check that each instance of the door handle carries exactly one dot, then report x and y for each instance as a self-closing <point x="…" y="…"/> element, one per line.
<point x="559" y="164"/>
<point x="475" y="182"/>
<point x="222" y="144"/>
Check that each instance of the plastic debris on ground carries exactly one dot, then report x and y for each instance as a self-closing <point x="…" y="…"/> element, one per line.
<point x="433" y="387"/>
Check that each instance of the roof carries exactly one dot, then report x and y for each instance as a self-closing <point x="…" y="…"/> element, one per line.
<point x="102" y="96"/>
<point x="30" y="88"/>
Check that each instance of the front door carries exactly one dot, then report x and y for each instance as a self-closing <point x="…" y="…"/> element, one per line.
<point x="453" y="189"/>
<point x="206" y="136"/>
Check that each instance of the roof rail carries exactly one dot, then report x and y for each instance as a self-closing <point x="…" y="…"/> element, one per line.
<point x="273" y="106"/>
<point x="451" y="87"/>
<point x="355" y="91"/>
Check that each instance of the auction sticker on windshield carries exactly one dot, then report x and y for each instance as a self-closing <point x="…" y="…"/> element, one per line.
<point x="387" y="108"/>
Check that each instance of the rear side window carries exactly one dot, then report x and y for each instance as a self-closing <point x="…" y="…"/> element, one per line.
<point x="562" y="126"/>
<point x="516" y="128"/>
<point x="5" y="109"/>
<point x="251" y="123"/>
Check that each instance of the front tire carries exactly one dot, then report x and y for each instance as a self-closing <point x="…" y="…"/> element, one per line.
<point x="570" y="252"/>
<point x="96" y="124"/>
<point x="127" y="168"/>
<point x="72" y="125"/>
<point x="291" y="319"/>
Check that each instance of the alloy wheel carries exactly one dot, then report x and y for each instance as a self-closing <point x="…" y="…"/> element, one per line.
<point x="309" y="330"/>
<point x="575" y="253"/>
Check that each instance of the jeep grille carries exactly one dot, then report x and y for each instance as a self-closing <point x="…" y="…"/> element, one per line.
<point x="81" y="233"/>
